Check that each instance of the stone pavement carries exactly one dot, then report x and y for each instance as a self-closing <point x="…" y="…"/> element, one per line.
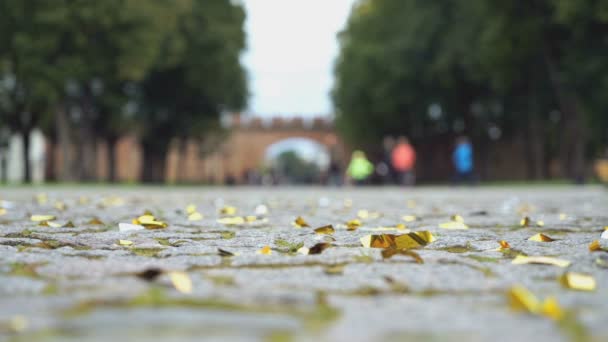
<point x="79" y="284"/>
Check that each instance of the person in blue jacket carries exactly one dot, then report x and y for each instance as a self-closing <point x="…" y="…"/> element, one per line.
<point x="463" y="160"/>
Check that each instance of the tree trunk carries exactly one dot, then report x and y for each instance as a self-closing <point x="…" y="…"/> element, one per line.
<point x="182" y="161"/>
<point x="112" y="142"/>
<point x="62" y="126"/>
<point x="27" y="166"/>
<point x="49" y="171"/>
<point x="154" y="163"/>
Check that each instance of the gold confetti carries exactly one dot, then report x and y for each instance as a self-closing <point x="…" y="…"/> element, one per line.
<point x="363" y="214"/>
<point x="328" y="230"/>
<point x="125" y="242"/>
<point x="303" y="250"/>
<point x="69" y="224"/>
<point x="231" y="221"/>
<point x="148" y="221"/>
<point x="410" y="240"/>
<point x="181" y="281"/>
<point x="409" y="218"/>
<point x="563" y="217"/>
<point x="578" y="281"/>
<point x="457" y="218"/>
<point x="265" y="251"/>
<point x="225" y="253"/>
<point x="595" y="246"/>
<point x="522" y="260"/>
<point x="525" y="222"/>
<point x="319" y="248"/>
<point x="334" y="270"/>
<point x="40" y="218"/>
<point x="228" y="211"/>
<point x="195" y="216"/>
<point x="49" y="224"/>
<point x="2" y="211"/>
<point x="353" y="224"/>
<point x="388" y="253"/>
<point x="453" y="225"/>
<point x="521" y="299"/>
<point x="251" y="218"/>
<point x="300" y="222"/>
<point x="190" y="209"/>
<point x="504" y="244"/>
<point x="41" y="198"/>
<point x="60" y="206"/>
<point x="95" y="221"/>
<point x="540" y="223"/>
<point x="540" y="237"/>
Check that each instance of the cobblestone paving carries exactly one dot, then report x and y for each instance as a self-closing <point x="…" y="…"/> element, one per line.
<point x="79" y="284"/>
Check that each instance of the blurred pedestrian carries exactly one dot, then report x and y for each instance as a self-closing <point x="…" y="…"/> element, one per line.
<point x="385" y="168"/>
<point x="403" y="160"/>
<point x="359" y="168"/>
<point x="463" y="160"/>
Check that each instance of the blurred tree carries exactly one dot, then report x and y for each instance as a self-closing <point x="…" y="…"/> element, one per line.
<point x="197" y="76"/>
<point x="291" y="168"/>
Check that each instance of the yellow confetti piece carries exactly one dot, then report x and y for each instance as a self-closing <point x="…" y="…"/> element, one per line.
<point x="595" y="246"/>
<point x="319" y="248"/>
<point x="251" y="218"/>
<point x="551" y="308"/>
<point x="521" y="299"/>
<point x="410" y="240"/>
<point x="540" y="237"/>
<point x="2" y="211"/>
<point x="40" y="218"/>
<point x="228" y="210"/>
<point x="148" y="221"/>
<point x="265" y="251"/>
<point x="231" y="221"/>
<point x="334" y="270"/>
<point x="303" y="250"/>
<point x="540" y="223"/>
<point x="363" y="214"/>
<point x="457" y="218"/>
<point x="299" y="222"/>
<point x="353" y="224"/>
<point x="504" y="244"/>
<point x="125" y="242"/>
<point x="95" y="221"/>
<point x="454" y="225"/>
<point x="190" y="209"/>
<point x="41" y="198"/>
<point x="409" y="218"/>
<point x="563" y="217"/>
<point x="328" y="230"/>
<point x="195" y="216"/>
<point x="578" y="281"/>
<point x="181" y="281"/>
<point x="525" y="222"/>
<point x="60" y="206"/>
<point x="68" y="224"/>
<point x="522" y="260"/>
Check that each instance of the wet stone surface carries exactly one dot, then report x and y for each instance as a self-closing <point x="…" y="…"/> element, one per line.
<point x="79" y="284"/>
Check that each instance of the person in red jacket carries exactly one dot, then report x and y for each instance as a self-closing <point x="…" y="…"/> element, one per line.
<point x="403" y="159"/>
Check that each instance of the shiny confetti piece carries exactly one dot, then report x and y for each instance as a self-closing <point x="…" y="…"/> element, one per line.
<point x="347" y="203"/>
<point x="181" y="281"/>
<point x="363" y="214"/>
<point x="398" y="228"/>
<point x="410" y="240"/>
<point x="595" y="246"/>
<point x="231" y="221"/>
<point x="265" y="251"/>
<point x="551" y="308"/>
<point x="148" y="221"/>
<point x="68" y="224"/>
<point x="41" y="198"/>
<point x="504" y="244"/>
<point x="604" y="235"/>
<point x="261" y="210"/>
<point x="319" y="248"/>
<point x="190" y="209"/>
<point x="353" y="224"/>
<point x="303" y="250"/>
<point x="388" y="253"/>
<point x="195" y="216"/>
<point x="455" y="225"/>
<point x="2" y="211"/>
<point x="578" y="281"/>
<point x="40" y="218"/>
<point x="457" y="218"/>
<point x="300" y="222"/>
<point x="60" y="206"/>
<point x="522" y="260"/>
<point x="251" y="218"/>
<point x="95" y="221"/>
<point x="525" y="222"/>
<point x="540" y="237"/>
<point x="128" y="227"/>
<point x="540" y="223"/>
<point x="224" y="253"/>
<point x="49" y="224"/>
<point x="125" y="242"/>
<point x="228" y="210"/>
<point x="522" y="300"/>
<point x="334" y="270"/>
<point x="327" y="230"/>
<point x="563" y="217"/>
<point x="409" y="218"/>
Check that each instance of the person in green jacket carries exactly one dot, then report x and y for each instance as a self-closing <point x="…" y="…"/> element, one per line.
<point x="359" y="168"/>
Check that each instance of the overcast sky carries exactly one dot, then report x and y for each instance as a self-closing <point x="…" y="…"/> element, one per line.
<point x="292" y="47"/>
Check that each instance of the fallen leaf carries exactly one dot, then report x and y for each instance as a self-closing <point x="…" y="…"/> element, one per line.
<point x="319" y="248"/>
<point x="195" y="216"/>
<point x="540" y="237"/>
<point x="327" y="230"/>
<point x="578" y="281"/>
<point x="125" y="242"/>
<point x="181" y="281"/>
<point x="40" y="218"/>
<point x="300" y="222"/>
<point x="410" y="240"/>
<point x="265" y="251"/>
<point x="522" y="260"/>
<point x="388" y="253"/>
